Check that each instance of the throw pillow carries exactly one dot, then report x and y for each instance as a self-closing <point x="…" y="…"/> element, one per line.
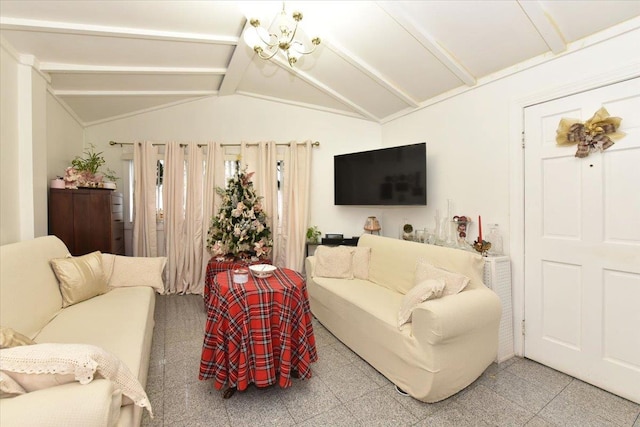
<point x="453" y="282"/>
<point x="9" y="387"/>
<point x="80" y="277"/>
<point x="39" y="366"/>
<point x="108" y="261"/>
<point x="11" y="338"/>
<point x="334" y="262"/>
<point x="360" y="262"/>
<point x="138" y="271"/>
<point x="424" y="290"/>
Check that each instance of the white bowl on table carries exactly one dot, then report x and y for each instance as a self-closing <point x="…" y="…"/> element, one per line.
<point x="262" y="271"/>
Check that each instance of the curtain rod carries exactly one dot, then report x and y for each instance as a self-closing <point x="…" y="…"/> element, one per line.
<point x="313" y="144"/>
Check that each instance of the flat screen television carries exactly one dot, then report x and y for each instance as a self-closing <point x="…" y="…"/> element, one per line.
<point x="395" y="176"/>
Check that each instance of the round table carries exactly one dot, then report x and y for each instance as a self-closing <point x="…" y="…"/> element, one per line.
<point x="258" y="332"/>
<point x="219" y="264"/>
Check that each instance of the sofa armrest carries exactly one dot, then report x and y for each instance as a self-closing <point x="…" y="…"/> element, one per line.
<point x="309" y="266"/>
<point x="445" y="318"/>
<point x="96" y="404"/>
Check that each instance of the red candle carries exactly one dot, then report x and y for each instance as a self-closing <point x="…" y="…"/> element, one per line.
<point x="480" y="229"/>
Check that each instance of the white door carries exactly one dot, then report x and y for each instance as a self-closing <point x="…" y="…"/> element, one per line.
<point x="582" y="243"/>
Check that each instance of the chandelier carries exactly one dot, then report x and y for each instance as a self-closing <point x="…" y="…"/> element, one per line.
<point x="283" y="40"/>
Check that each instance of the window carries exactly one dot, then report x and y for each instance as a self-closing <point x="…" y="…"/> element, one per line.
<point x="230" y="168"/>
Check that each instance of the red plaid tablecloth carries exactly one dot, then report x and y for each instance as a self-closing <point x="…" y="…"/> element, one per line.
<point x="218" y="265"/>
<point x="257" y="331"/>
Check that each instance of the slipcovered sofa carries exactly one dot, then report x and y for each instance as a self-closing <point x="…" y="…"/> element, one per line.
<point x="119" y="322"/>
<point x="449" y="340"/>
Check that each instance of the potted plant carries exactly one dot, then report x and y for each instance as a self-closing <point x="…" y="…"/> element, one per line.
<point x="110" y="178"/>
<point x="85" y="171"/>
<point x="313" y="234"/>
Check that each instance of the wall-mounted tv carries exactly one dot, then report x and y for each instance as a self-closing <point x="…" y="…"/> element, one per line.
<point x="395" y="176"/>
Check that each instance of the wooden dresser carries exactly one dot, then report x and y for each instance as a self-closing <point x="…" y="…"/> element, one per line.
<point x="87" y="219"/>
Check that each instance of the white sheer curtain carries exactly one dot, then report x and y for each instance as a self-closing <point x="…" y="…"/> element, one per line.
<point x="262" y="159"/>
<point x="295" y="215"/>
<point x="145" y="158"/>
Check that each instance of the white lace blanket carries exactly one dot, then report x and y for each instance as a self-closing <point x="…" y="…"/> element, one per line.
<point x="82" y="360"/>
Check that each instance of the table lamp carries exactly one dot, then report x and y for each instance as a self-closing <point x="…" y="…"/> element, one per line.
<point x="372" y="225"/>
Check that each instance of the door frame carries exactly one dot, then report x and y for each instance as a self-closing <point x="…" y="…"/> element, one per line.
<point x="516" y="178"/>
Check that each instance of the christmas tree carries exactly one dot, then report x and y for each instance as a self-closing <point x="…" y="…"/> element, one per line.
<point x="240" y="228"/>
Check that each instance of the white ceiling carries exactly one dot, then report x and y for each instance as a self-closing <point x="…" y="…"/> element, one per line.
<point x="377" y="60"/>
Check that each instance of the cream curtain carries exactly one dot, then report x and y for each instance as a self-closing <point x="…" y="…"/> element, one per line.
<point x="213" y="178"/>
<point x="174" y="217"/>
<point x="145" y="158"/>
<point x="295" y="209"/>
<point x="262" y="159"/>
<point x="189" y="200"/>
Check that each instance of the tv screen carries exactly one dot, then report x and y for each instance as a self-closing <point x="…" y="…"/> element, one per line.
<point x="388" y="176"/>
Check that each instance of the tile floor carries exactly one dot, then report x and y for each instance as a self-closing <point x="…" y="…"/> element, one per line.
<point x="346" y="391"/>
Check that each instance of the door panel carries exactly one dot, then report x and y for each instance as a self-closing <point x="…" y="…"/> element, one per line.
<point x="582" y="243"/>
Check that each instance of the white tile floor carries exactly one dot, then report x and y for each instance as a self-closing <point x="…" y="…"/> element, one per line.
<point x="346" y="391"/>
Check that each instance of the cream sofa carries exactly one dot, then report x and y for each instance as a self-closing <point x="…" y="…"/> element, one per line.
<point x="448" y="344"/>
<point x="119" y="321"/>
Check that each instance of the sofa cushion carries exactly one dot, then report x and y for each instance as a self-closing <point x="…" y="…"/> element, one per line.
<point x="117" y="321"/>
<point x="393" y="261"/>
<point x="29" y="284"/>
<point x="11" y="338"/>
<point x="80" y="277"/>
<point x="377" y="301"/>
<point x="94" y="404"/>
<point x="334" y="262"/>
<point x="125" y="271"/>
<point x="453" y="282"/>
<point x="40" y="366"/>
<point x="360" y="262"/>
<point x="422" y="291"/>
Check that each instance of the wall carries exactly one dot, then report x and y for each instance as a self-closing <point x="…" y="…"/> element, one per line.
<point x="24" y="153"/>
<point x="65" y="138"/>
<point x="470" y="137"/>
<point x="38" y="139"/>
<point x="236" y="118"/>
<point x="9" y="174"/>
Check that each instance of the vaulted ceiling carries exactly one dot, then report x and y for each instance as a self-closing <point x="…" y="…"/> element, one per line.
<point x="377" y="60"/>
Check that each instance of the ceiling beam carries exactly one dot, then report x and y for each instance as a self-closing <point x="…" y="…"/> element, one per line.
<point x="544" y="24"/>
<point x="398" y="14"/>
<point x="68" y="92"/>
<point x="237" y="66"/>
<point x="61" y="68"/>
<point x="324" y="88"/>
<point x="373" y="74"/>
<point x="19" y="24"/>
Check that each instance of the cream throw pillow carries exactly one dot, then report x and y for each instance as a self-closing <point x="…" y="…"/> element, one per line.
<point x="11" y="338"/>
<point x="424" y="290"/>
<point x="39" y="366"/>
<point x="453" y="282"/>
<point x="80" y="277"/>
<point x="334" y="262"/>
<point x="126" y="271"/>
<point x="360" y="262"/>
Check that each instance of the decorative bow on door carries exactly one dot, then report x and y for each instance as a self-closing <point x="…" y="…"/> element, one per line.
<point x="596" y="134"/>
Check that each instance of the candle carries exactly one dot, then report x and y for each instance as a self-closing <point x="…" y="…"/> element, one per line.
<point x="480" y="229"/>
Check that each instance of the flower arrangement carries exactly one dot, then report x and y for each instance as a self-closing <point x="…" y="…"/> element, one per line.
<point x="240" y="228"/>
<point x="85" y="171"/>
